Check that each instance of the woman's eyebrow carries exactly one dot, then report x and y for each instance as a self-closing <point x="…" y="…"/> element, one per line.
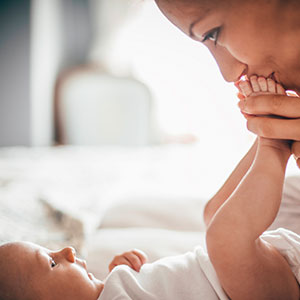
<point x="191" y="33"/>
<point x="199" y="19"/>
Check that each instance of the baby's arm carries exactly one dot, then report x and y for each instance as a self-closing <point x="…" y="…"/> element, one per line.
<point x="134" y="259"/>
<point x="249" y="268"/>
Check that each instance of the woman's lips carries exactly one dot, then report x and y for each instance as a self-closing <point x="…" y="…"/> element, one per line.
<point x="245" y="78"/>
<point x="273" y="77"/>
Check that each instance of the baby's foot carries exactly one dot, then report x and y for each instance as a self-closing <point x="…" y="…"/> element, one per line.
<point x="260" y="85"/>
<point x="257" y="86"/>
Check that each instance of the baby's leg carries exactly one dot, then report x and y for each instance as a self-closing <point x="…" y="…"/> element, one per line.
<point x="246" y="88"/>
<point x="249" y="268"/>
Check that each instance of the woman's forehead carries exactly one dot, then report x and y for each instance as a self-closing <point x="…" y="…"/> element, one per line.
<point x="188" y="10"/>
<point x="183" y="13"/>
<point x="192" y="4"/>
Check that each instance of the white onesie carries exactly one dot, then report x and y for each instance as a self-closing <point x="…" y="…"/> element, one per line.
<point x="184" y="277"/>
<point x="190" y="276"/>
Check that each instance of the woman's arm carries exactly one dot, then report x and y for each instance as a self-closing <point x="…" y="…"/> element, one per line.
<point x="230" y="185"/>
<point x="247" y="267"/>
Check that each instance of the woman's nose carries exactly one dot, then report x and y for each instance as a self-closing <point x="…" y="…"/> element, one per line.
<point x="69" y="253"/>
<point x="231" y="68"/>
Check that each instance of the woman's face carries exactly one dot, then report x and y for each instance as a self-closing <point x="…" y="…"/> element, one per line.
<point x="246" y="37"/>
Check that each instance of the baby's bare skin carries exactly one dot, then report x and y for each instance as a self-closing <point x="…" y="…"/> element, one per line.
<point x="257" y="86"/>
<point x="257" y="270"/>
<point x="53" y="275"/>
<point x="260" y="85"/>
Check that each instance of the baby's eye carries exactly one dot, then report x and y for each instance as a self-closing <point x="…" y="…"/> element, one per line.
<point x="212" y="35"/>
<point x="53" y="263"/>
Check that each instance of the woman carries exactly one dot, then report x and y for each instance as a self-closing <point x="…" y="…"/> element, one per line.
<point x="255" y="39"/>
<point x="249" y="37"/>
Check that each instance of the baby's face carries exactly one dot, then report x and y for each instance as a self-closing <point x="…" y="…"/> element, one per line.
<point x="58" y="275"/>
<point x="245" y="37"/>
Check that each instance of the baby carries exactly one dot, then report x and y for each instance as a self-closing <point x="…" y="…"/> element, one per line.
<point x="243" y="261"/>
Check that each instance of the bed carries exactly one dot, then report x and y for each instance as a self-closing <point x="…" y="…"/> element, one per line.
<point x="102" y="200"/>
<point x="106" y="200"/>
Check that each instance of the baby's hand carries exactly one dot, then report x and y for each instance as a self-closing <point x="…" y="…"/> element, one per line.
<point x="134" y="259"/>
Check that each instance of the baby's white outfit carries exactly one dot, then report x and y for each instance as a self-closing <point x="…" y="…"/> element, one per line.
<point x="190" y="276"/>
<point x="186" y="277"/>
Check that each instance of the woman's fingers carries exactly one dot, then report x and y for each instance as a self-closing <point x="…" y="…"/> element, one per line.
<point x="279" y="105"/>
<point x="286" y="129"/>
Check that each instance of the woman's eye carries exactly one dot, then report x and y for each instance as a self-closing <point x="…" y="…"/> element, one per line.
<point x="53" y="263"/>
<point x="212" y="35"/>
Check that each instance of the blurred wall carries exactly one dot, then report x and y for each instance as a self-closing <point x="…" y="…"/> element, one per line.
<point x="14" y="72"/>
<point x="61" y="35"/>
<point x="38" y="39"/>
<point x="45" y="60"/>
<point x="77" y="32"/>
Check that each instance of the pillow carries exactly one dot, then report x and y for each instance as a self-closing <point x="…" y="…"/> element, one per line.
<point x="156" y="212"/>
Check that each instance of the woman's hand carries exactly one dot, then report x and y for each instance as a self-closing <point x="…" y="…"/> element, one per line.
<point x="134" y="259"/>
<point x="275" y="117"/>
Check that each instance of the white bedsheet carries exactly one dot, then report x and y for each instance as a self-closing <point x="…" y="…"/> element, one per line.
<point x="107" y="200"/>
<point x="88" y="189"/>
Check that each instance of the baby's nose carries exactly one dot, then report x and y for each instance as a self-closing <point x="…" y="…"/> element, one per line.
<point x="69" y="253"/>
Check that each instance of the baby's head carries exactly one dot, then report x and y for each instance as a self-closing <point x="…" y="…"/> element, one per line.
<point x="29" y="271"/>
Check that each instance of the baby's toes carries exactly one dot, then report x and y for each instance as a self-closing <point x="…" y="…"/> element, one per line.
<point x="271" y="85"/>
<point x="246" y="88"/>
<point x="255" y="85"/>
<point x="263" y="84"/>
<point x="280" y="89"/>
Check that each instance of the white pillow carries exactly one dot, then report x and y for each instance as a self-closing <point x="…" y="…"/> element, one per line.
<point x="156" y="212"/>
